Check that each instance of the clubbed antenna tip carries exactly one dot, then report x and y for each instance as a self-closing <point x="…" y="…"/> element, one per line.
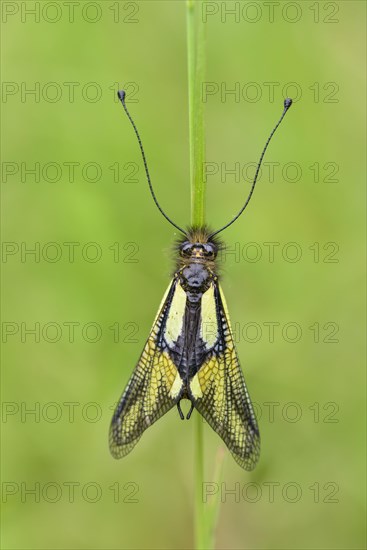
<point x="287" y="102"/>
<point x="121" y="95"/>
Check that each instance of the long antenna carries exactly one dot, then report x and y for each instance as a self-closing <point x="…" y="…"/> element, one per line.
<point x="121" y="95"/>
<point x="287" y="104"/>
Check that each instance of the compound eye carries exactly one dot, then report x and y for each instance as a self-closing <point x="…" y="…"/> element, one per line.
<point x="208" y="251"/>
<point x="186" y="249"/>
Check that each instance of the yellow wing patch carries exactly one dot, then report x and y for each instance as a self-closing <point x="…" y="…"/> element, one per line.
<point x="209" y="322"/>
<point x="176" y="316"/>
<point x="195" y="387"/>
<point x="176" y="386"/>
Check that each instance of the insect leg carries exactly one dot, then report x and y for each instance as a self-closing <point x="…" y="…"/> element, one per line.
<point x="190" y="411"/>
<point x="179" y="410"/>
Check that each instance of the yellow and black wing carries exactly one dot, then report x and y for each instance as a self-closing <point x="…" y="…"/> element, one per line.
<point x="218" y="389"/>
<point x="155" y="384"/>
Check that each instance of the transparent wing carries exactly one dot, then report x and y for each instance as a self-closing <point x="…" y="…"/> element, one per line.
<point x="152" y="390"/>
<point x="220" y="394"/>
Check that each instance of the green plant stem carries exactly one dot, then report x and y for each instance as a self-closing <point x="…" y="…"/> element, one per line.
<point x="200" y="523"/>
<point x="196" y="73"/>
<point x="196" y="67"/>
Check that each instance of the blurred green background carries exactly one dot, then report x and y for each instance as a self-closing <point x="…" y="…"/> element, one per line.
<point x="308" y="490"/>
